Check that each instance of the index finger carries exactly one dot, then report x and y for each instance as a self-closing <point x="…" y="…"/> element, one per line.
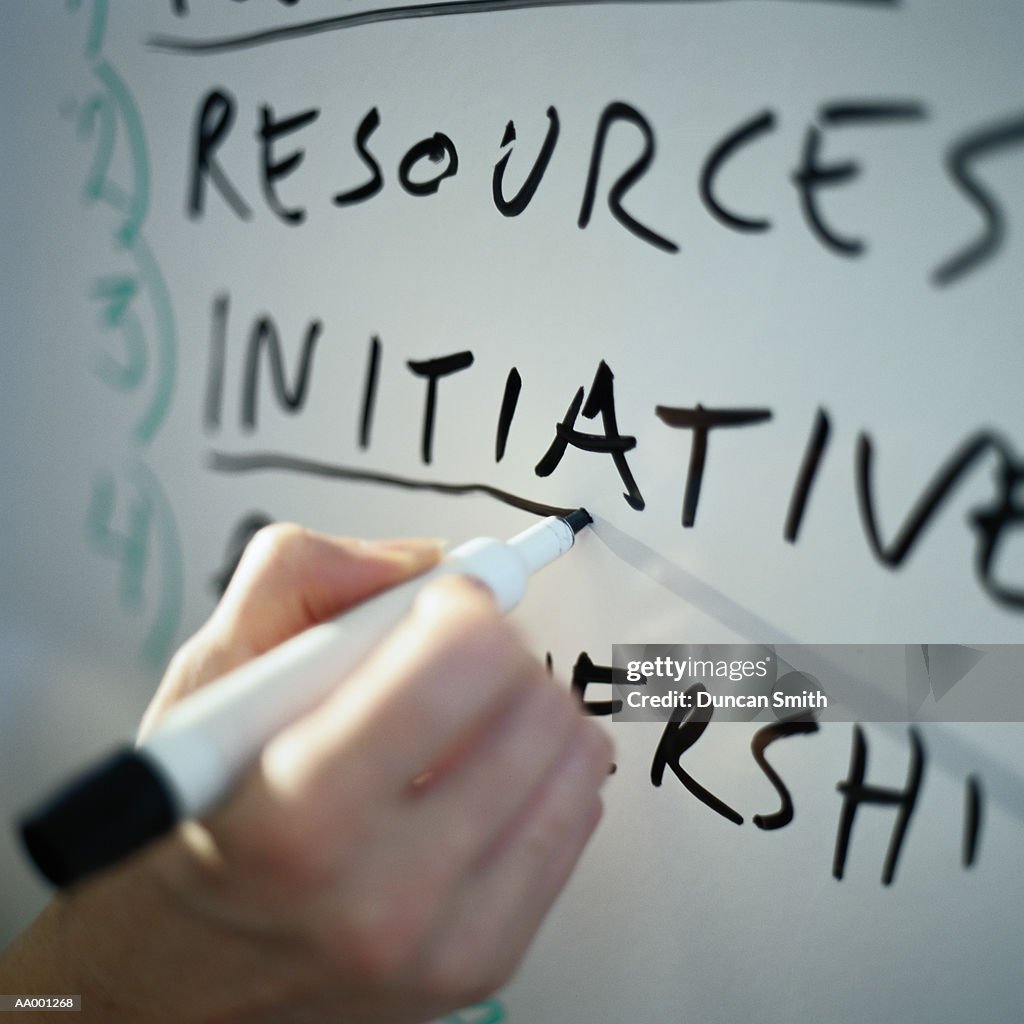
<point x="439" y="678"/>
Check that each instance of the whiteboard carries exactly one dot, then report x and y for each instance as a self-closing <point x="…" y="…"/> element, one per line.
<point x="743" y="279"/>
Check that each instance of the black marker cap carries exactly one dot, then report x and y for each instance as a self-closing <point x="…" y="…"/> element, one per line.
<point x="99" y="819"/>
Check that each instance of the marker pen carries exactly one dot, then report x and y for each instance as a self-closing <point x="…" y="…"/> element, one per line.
<point x="190" y="762"/>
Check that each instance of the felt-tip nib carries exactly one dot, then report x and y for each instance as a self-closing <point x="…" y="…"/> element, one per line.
<point x="578" y="519"/>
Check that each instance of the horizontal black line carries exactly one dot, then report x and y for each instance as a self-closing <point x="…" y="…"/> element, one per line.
<point x="185" y="45"/>
<point x="254" y="462"/>
<point x="843" y="113"/>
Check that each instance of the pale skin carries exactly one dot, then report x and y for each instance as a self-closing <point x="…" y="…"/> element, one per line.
<point x="392" y="854"/>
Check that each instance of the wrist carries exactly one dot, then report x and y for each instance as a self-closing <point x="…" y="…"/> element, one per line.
<point x="115" y="941"/>
<point x="40" y="963"/>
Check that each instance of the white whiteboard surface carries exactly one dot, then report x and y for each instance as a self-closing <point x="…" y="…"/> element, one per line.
<point x="854" y="257"/>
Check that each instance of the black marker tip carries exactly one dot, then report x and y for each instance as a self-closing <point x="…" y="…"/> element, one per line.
<point x="578" y="519"/>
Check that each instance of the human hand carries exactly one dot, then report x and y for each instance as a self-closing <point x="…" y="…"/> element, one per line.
<point x="393" y="852"/>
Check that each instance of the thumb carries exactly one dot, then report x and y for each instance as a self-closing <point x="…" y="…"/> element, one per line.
<point x="288" y="579"/>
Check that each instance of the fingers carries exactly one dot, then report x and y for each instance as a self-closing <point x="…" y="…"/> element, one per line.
<point x="485" y="938"/>
<point x="502" y="903"/>
<point x="451" y="666"/>
<point x="481" y="790"/>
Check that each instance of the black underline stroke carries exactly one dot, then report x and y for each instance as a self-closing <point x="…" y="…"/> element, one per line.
<point x="254" y="462"/>
<point x="185" y="45"/>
